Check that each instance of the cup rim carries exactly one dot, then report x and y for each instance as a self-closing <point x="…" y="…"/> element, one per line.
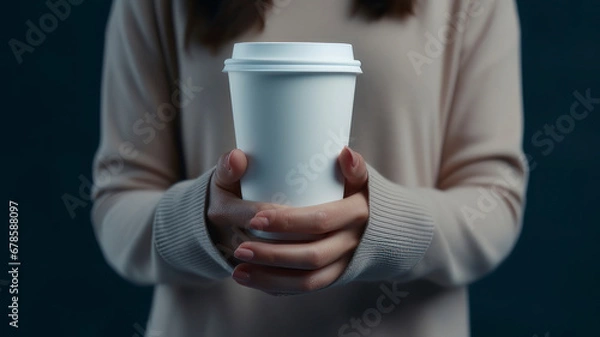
<point x="337" y="57"/>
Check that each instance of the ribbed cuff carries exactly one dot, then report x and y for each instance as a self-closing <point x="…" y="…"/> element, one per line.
<point x="180" y="232"/>
<point x="398" y="233"/>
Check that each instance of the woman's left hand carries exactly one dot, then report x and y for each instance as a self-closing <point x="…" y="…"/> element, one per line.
<point x="281" y="268"/>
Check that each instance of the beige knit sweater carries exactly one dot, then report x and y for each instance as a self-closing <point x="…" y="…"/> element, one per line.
<point x="438" y="118"/>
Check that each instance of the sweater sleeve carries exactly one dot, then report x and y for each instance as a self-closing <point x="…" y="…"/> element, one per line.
<point x="149" y="224"/>
<point x="462" y="229"/>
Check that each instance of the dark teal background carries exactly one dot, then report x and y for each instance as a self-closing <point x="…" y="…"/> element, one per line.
<point x="50" y="107"/>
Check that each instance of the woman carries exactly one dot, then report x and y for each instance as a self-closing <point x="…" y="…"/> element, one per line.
<point x="435" y="178"/>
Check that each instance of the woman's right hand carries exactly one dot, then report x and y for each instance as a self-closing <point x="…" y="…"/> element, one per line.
<point x="228" y="215"/>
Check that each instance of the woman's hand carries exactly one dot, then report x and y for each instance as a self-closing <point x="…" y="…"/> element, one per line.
<point x="298" y="267"/>
<point x="228" y="215"/>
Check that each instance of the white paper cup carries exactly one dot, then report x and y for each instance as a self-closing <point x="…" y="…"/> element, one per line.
<point x="292" y="109"/>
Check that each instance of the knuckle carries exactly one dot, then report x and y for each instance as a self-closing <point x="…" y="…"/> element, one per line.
<point x="321" y="222"/>
<point x="267" y="257"/>
<point x="218" y="183"/>
<point x="286" y="220"/>
<point x="354" y="241"/>
<point x="363" y="215"/>
<point x="310" y="283"/>
<point x="314" y="258"/>
<point x="272" y="259"/>
<point x="359" y="156"/>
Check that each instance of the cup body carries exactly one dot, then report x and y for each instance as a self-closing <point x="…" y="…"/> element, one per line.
<point x="292" y="118"/>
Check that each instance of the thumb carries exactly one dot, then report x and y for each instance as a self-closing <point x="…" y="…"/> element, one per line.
<point x="354" y="169"/>
<point x="230" y="168"/>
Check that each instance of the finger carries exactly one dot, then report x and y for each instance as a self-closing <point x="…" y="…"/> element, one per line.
<point x="230" y="168"/>
<point x="288" y="281"/>
<point x="319" y="219"/>
<point x="306" y="256"/>
<point x="230" y="221"/>
<point x="354" y="169"/>
<point x="229" y="211"/>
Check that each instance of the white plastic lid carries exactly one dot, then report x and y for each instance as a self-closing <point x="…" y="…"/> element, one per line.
<point x="293" y="57"/>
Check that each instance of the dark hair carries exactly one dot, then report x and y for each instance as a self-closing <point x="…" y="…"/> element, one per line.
<point x="217" y="22"/>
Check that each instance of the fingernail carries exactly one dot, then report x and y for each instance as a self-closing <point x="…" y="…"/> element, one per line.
<point x="241" y="276"/>
<point x="259" y="223"/>
<point x="354" y="158"/>
<point x="227" y="164"/>
<point x="243" y="254"/>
